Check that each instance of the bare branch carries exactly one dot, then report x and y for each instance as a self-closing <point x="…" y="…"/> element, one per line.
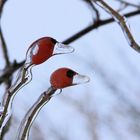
<point x="4" y="49"/>
<point x="2" y="3"/>
<point x="69" y="40"/>
<point x="10" y="70"/>
<point x="4" y="46"/>
<point x="121" y="21"/>
<point x="33" y="112"/>
<point x="129" y="3"/>
<point x="3" y="43"/>
<point x="95" y="26"/>
<point x="91" y="5"/>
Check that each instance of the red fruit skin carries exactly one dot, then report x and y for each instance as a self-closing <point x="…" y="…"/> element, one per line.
<point x="59" y="79"/>
<point x="45" y="50"/>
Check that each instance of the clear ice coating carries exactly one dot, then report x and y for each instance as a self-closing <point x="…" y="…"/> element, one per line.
<point x="121" y="20"/>
<point x="57" y="92"/>
<point x="80" y="79"/>
<point x="25" y="122"/>
<point x="24" y="77"/>
<point x="35" y="49"/>
<point x="60" y="48"/>
<point x="23" y="132"/>
<point x="30" y="52"/>
<point x="8" y="114"/>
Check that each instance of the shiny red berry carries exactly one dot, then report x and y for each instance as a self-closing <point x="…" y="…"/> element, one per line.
<point x="42" y="49"/>
<point x="62" y="78"/>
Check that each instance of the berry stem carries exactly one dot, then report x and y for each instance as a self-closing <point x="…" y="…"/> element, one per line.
<point x="25" y="125"/>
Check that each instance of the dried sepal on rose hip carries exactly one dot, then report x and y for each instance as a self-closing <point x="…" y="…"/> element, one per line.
<point x="65" y="77"/>
<point x="44" y="48"/>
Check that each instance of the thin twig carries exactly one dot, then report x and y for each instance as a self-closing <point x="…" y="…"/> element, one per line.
<point x="33" y="112"/>
<point x="10" y="70"/>
<point x="2" y="3"/>
<point x="122" y="7"/>
<point x="129" y="3"/>
<point x="4" y="48"/>
<point x="69" y="40"/>
<point x="9" y="95"/>
<point x="91" y="5"/>
<point x="95" y="26"/>
<point x="121" y="21"/>
<point x="3" y="43"/>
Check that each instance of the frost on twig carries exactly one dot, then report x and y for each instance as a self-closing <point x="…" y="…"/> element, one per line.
<point x="25" y="76"/>
<point x="61" y="78"/>
<point x="25" y="125"/>
<point x="39" y="51"/>
<point x="121" y="20"/>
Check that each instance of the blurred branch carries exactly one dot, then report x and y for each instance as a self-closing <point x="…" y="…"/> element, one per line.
<point x="3" y="43"/>
<point x="93" y="8"/>
<point x="122" y="7"/>
<point x="129" y="3"/>
<point x="4" y="48"/>
<point x="10" y="70"/>
<point x="6" y="58"/>
<point x="30" y="116"/>
<point x="2" y="3"/>
<point x="96" y="25"/>
<point x="69" y="40"/>
<point x="115" y="90"/>
<point x="121" y="21"/>
<point x="90" y="115"/>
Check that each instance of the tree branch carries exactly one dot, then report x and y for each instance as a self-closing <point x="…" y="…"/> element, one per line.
<point x="129" y="3"/>
<point x="3" y="43"/>
<point x="2" y="3"/>
<point x="96" y="25"/>
<point x="4" y="48"/>
<point x="121" y="20"/>
<point x="10" y="70"/>
<point x="69" y="40"/>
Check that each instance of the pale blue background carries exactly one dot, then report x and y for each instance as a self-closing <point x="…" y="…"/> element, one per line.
<point x="102" y="54"/>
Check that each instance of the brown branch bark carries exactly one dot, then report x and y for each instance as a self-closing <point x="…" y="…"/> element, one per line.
<point x="4" y="49"/>
<point x="76" y="36"/>
<point x="4" y="46"/>
<point x="96" y="25"/>
<point x="3" y="42"/>
<point x="129" y="3"/>
<point x="2" y="3"/>
<point x="10" y="70"/>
